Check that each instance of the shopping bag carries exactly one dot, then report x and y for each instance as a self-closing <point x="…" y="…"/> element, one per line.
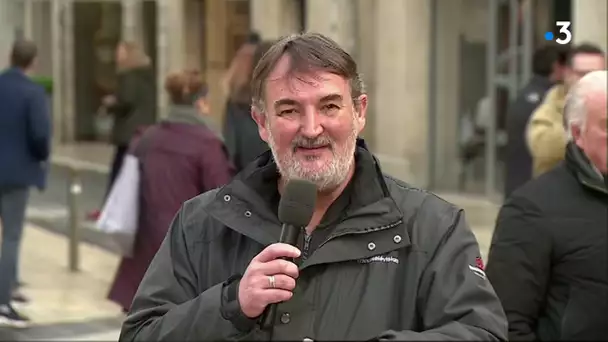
<point x="120" y="213"/>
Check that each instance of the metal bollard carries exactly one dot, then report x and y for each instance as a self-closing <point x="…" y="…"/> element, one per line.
<point x="74" y="191"/>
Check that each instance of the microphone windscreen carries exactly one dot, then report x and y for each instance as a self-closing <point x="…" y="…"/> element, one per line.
<point x="297" y="203"/>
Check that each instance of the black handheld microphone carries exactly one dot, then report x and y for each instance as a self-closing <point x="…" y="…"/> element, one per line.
<point x="296" y="208"/>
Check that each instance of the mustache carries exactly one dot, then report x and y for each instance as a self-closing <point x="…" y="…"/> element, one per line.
<point x="303" y="142"/>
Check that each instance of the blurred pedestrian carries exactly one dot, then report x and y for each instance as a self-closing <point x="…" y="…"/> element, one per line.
<point x="182" y="158"/>
<point x="378" y="261"/>
<point x="548" y="65"/>
<point x="548" y="260"/>
<point x="240" y="131"/>
<point x="133" y="106"/>
<point x="24" y="152"/>
<point x="545" y="134"/>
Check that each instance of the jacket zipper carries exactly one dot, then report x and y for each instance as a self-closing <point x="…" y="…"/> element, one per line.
<point x="363" y="231"/>
<point x="306" y="249"/>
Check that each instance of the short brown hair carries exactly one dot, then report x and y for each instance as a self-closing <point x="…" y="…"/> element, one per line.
<point x="23" y="54"/>
<point x="183" y="87"/>
<point x="308" y="52"/>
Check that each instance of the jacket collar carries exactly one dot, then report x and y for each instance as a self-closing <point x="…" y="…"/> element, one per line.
<point x="240" y="207"/>
<point x="17" y="72"/>
<point x="583" y="170"/>
<point x="184" y="114"/>
<point x="188" y="115"/>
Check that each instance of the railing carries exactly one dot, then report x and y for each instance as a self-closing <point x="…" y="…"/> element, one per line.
<point x="74" y="190"/>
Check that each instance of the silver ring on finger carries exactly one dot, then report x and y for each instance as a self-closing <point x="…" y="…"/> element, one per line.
<point x="272" y="282"/>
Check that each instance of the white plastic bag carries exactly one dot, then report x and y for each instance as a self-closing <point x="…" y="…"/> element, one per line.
<point x="120" y="213"/>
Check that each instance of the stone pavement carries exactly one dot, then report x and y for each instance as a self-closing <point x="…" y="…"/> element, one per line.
<point x="65" y="306"/>
<point x="94" y="156"/>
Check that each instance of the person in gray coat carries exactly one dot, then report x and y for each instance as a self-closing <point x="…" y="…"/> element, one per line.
<point x="133" y="106"/>
<point x="380" y="260"/>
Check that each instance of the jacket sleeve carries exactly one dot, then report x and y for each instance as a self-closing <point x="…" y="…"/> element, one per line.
<point x="39" y="126"/>
<point x="456" y="301"/>
<point x="168" y="306"/>
<point x="125" y="95"/>
<point x="518" y="267"/>
<point x="545" y="134"/>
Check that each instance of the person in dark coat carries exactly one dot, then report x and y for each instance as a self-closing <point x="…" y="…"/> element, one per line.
<point x="133" y="106"/>
<point x="378" y="261"/>
<point x="240" y="131"/>
<point x="183" y="158"/>
<point x="548" y="68"/>
<point x="548" y="258"/>
<point x="25" y="134"/>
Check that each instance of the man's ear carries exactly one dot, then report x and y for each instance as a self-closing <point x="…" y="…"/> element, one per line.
<point x="260" y="119"/>
<point x="361" y="110"/>
<point x="576" y="132"/>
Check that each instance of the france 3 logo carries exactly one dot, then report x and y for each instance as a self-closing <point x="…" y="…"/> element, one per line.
<point x="564" y="30"/>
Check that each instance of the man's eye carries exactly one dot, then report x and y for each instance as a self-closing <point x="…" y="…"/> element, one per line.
<point x="287" y="111"/>
<point x="331" y="107"/>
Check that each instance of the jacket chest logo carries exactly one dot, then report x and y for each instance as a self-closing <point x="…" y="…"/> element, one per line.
<point x="379" y="258"/>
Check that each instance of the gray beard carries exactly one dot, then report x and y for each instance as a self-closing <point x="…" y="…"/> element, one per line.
<point x="333" y="175"/>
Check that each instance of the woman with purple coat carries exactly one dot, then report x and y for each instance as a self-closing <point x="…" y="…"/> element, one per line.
<point x="181" y="157"/>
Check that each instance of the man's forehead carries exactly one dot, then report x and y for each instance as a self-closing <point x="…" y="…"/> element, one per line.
<point x="588" y="62"/>
<point x="283" y="82"/>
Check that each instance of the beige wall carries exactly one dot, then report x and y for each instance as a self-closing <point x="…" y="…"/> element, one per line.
<point x="447" y="96"/>
<point x="274" y="18"/>
<point x="390" y="40"/>
<point x="11" y="17"/>
<point x="41" y="34"/>
<point x="194" y="15"/>
<point x="365" y="28"/>
<point x="334" y="18"/>
<point x="177" y="22"/>
<point x="590" y="19"/>
<point x="401" y="97"/>
<point x="132" y="21"/>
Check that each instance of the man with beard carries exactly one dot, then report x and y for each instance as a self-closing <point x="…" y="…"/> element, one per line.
<point x="379" y="260"/>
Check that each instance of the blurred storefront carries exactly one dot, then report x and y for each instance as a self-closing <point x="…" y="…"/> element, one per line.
<point x="77" y="39"/>
<point x="428" y="64"/>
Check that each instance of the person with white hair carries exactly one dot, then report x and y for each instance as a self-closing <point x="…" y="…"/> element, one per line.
<point x="548" y="258"/>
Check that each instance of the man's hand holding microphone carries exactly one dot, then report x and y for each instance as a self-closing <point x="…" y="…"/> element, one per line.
<point x="271" y="275"/>
<point x="268" y="279"/>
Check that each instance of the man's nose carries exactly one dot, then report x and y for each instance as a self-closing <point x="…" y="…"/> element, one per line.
<point x="311" y="124"/>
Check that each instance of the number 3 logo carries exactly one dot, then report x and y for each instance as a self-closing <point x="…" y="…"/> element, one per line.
<point x="564" y="28"/>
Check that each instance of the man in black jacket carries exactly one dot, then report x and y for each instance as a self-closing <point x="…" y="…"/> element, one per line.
<point x="548" y="259"/>
<point x="548" y="67"/>
<point x="380" y="260"/>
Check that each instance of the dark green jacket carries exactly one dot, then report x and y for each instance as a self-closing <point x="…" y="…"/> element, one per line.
<point x="136" y="104"/>
<point x="401" y="264"/>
